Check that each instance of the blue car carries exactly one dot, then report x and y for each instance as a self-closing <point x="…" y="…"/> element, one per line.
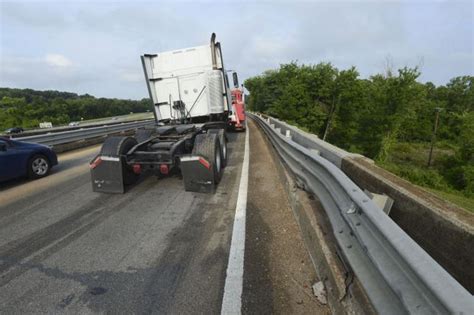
<point x="19" y="159"/>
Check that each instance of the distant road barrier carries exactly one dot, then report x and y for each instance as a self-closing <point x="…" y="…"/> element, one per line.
<point x="63" y="137"/>
<point x="40" y="131"/>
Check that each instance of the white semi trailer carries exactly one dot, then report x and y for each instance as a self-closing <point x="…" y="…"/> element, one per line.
<point x="191" y="97"/>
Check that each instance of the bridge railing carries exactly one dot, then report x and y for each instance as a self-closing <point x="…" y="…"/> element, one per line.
<point x="397" y="275"/>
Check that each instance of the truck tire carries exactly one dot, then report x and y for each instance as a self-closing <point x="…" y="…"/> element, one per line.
<point x="143" y="134"/>
<point x="117" y="147"/>
<point x="223" y="143"/>
<point x="38" y="166"/>
<point x="207" y="145"/>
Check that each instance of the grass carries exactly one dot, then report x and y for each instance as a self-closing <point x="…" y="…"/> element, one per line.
<point x="409" y="161"/>
<point x="456" y="198"/>
<point x="416" y="154"/>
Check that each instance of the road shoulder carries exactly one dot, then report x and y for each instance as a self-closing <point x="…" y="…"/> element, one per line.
<point x="278" y="271"/>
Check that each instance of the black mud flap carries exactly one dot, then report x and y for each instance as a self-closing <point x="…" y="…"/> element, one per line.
<point x="198" y="174"/>
<point x="107" y="175"/>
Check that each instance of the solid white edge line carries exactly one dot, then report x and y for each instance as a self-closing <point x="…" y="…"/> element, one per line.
<point x="232" y="299"/>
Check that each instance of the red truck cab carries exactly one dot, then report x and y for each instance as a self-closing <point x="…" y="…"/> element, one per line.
<point x="237" y="118"/>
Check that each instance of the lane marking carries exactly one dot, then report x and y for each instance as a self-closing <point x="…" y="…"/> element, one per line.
<point x="232" y="300"/>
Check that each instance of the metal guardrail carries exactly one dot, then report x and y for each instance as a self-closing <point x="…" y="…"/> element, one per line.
<point x="83" y="134"/>
<point x="396" y="273"/>
<point x="40" y="131"/>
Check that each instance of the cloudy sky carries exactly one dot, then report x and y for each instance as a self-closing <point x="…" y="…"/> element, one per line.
<point x="94" y="46"/>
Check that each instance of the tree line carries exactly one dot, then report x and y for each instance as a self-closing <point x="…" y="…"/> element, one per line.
<point x="27" y="108"/>
<point x="375" y="116"/>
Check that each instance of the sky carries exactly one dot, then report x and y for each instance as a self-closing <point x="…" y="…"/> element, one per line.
<point x="94" y="47"/>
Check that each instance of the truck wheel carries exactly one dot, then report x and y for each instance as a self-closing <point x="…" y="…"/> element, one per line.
<point x="207" y="145"/>
<point x="116" y="147"/>
<point x="223" y="143"/>
<point x="38" y="166"/>
<point x="143" y="134"/>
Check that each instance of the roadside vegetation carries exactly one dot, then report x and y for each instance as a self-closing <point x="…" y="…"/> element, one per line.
<point x="27" y="108"/>
<point x="388" y="117"/>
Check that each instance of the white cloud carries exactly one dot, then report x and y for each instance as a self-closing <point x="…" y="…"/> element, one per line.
<point x="132" y="77"/>
<point x="103" y="42"/>
<point x="57" y="60"/>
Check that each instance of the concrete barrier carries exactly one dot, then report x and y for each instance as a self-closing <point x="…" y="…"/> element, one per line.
<point x="444" y="230"/>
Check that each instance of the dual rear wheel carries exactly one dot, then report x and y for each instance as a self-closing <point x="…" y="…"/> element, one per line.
<point x="118" y="147"/>
<point x="213" y="147"/>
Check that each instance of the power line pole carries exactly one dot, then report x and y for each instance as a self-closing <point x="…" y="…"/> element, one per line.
<point x="328" y="124"/>
<point x="433" y="136"/>
<point x="330" y="116"/>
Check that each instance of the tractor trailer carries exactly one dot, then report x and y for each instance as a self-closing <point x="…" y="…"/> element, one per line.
<point x="192" y="105"/>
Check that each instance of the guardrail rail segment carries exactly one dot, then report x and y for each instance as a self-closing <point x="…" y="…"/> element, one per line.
<point x="40" y="131"/>
<point x="396" y="273"/>
<point x="63" y="137"/>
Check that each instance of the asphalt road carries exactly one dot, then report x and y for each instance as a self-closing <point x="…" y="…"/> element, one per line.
<point x="155" y="249"/>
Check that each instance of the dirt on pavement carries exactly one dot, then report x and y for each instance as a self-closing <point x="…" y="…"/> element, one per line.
<point x="278" y="274"/>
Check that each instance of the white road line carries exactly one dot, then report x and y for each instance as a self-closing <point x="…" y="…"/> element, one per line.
<point x="232" y="300"/>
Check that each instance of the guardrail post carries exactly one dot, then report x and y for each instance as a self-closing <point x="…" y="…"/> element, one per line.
<point x="288" y="134"/>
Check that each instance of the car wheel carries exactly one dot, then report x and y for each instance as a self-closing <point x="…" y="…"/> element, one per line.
<point x="38" y="166"/>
